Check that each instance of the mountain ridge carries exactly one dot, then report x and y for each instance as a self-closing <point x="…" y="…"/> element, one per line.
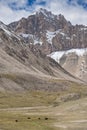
<point x="46" y="33"/>
<point x="50" y="32"/>
<point x="24" y="69"/>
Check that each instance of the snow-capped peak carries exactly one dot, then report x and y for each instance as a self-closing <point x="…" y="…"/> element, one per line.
<point x="42" y="10"/>
<point x="45" y="13"/>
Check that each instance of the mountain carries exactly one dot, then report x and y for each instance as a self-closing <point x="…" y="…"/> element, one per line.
<point x="40" y="58"/>
<point x="74" y="61"/>
<point x="49" y="33"/>
<point x="23" y="69"/>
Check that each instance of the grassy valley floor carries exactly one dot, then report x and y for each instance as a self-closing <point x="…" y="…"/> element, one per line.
<point x="44" y="110"/>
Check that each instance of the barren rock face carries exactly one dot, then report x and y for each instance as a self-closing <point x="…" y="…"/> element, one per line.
<point x="51" y="32"/>
<point x="43" y="28"/>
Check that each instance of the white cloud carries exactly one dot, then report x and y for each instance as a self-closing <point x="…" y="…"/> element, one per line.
<point x="18" y="3"/>
<point x="74" y="12"/>
<point x="8" y="15"/>
<point x="85" y="1"/>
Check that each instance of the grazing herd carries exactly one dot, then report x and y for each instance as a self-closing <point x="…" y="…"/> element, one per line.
<point x="46" y="118"/>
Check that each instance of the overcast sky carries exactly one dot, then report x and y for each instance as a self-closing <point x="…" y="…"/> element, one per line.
<point x="73" y="10"/>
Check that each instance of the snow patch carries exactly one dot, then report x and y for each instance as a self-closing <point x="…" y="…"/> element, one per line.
<point x="37" y="42"/>
<point x="50" y="35"/>
<point x="30" y="36"/>
<point x="26" y="35"/>
<point x="74" y="35"/>
<point x="58" y="54"/>
<point x="79" y="52"/>
<point x="84" y="28"/>
<point x="62" y="33"/>
<point x="68" y="38"/>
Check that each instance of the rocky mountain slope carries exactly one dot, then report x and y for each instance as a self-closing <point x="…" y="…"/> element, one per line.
<point x="74" y="61"/>
<point x="23" y="69"/>
<point x="48" y="33"/>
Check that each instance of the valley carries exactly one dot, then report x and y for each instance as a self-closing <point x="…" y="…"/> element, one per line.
<point x="42" y="111"/>
<point x="43" y="74"/>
